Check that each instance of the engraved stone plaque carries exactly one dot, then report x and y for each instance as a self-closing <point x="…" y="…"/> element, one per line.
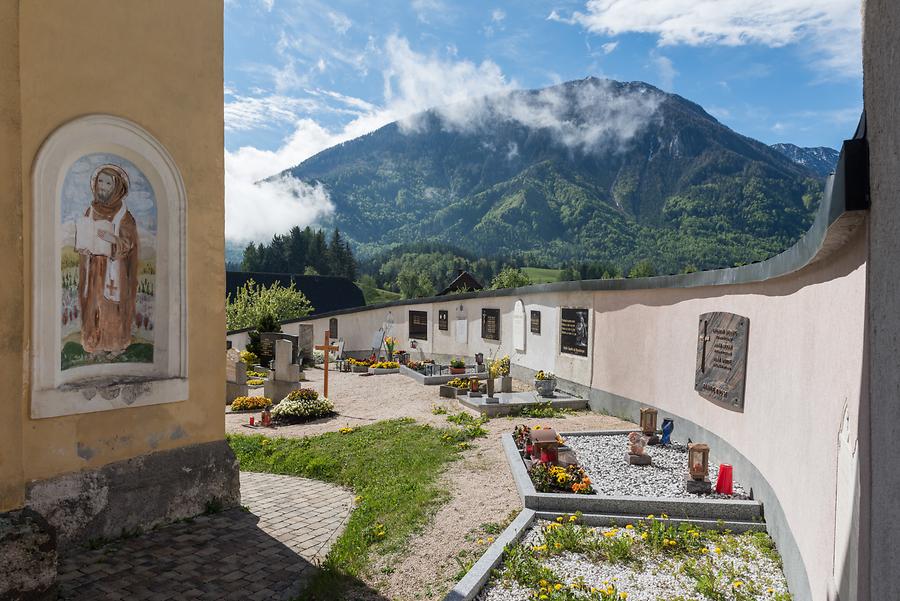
<point x="573" y="332"/>
<point x="267" y="346"/>
<point x="443" y="320"/>
<point x="490" y="324"/>
<point x="722" y="359"/>
<point x="535" y="322"/>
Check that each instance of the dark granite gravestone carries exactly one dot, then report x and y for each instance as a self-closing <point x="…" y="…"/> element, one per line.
<point x="535" y="322"/>
<point x="418" y="325"/>
<point x="490" y="324"/>
<point x="722" y="359"/>
<point x="443" y="320"/>
<point x="267" y="346"/>
<point x="573" y="332"/>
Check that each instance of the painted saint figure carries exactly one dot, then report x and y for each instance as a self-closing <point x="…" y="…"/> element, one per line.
<point x="106" y="237"/>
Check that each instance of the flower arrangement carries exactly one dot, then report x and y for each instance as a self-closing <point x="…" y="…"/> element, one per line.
<point x="520" y="435"/>
<point x="555" y="478"/>
<point x="457" y="363"/>
<point x="319" y="357"/>
<point x="361" y="362"/>
<point x="245" y="403"/>
<point x="385" y="365"/>
<point x="301" y="406"/>
<point x="389" y="343"/>
<point x="499" y="367"/>
<point x="459" y="383"/>
<point x="544" y="375"/>
<point x="257" y="374"/>
<point x="302" y="394"/>
<point x="255" y="382"/>
<point x="249" y="358"/>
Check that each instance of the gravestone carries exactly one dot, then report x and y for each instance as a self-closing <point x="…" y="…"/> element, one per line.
<point x="235" y="376"/>
<point x="573" y="332"/>
<point x="722" y="359"/>
<point x="267" y="342"/>
<point x="535" y="322"/>
<point x="490" y="324"/>
<point x="305" y="341"/>
<point x="443" y="320"/>
<point x="418" y="325"/>
<point x="285" y="376"/>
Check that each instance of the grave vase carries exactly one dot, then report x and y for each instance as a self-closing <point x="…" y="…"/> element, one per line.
<point x="490" y="386"/>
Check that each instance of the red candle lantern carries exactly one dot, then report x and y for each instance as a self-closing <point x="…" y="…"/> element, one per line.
<point x="648" y="421"/>
<point x="545" y="445"/>
<point x="698" y="460"/>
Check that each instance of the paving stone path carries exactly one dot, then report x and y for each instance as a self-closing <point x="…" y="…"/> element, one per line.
<point x="269" y="552"/>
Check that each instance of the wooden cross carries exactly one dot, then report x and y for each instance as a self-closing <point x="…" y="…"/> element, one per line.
<point x="327" y="348"/>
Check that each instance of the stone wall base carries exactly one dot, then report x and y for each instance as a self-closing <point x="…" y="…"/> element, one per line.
<point x="28" y="557"/>
<point x="135" y="495"/>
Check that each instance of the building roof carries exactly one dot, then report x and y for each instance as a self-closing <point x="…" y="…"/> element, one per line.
<point x="326" y="293"/>
<point x="464" y="281"/>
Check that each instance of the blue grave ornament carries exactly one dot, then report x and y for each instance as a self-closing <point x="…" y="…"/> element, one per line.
<point x="667" y="426"/>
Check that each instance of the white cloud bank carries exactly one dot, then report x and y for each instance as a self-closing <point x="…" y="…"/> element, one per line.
<point x="831" y="28"/>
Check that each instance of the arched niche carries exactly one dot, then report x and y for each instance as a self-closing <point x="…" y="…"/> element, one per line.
<point x="109" y="323"/>
<point x="519" y="326"/>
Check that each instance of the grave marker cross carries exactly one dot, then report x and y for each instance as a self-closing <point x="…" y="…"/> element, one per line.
<point x="327" y="348"/>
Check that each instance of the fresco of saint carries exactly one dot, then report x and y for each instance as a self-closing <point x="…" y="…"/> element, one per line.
<point x="106" y="239"/>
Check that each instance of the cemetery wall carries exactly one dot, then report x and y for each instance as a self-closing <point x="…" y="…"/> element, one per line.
<point x="158" y="65"/>
<point x="795" y="442"/>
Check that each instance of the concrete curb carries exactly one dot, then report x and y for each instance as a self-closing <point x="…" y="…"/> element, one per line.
<point x="687" y="509"/>
<point x="478" y="575"/>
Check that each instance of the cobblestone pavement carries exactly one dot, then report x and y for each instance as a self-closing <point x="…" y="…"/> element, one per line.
<point x="269" y="552"/>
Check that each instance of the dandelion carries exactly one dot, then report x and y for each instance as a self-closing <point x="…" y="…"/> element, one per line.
<point x="480" y="541"/>
<point x="737" y="584"/>
<point x="718" y="550"/>
<point x="572" y="518"/>
<point x="559" y="519"/>
<point x="557" y="586"/>
<point x="629" y="527"/>
<point x="644" y="536"/>
<point x="623" y="595"/>
<point x="490" y="539"/>
<point x="357" y="498"/>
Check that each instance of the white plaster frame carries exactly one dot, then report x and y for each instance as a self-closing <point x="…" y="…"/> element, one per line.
<point x="519" y="326"/>
<point x="102" y="387"/>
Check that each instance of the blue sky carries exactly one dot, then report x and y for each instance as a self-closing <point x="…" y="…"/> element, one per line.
<point x="302" y="75"/>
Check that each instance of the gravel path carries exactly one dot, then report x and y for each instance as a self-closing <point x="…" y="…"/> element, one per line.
<point x="480" y="486"/>
<point x="603" y="457"/>
<point x="758" y="577"/>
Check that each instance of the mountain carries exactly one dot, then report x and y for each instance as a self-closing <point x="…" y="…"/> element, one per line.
<point x="821" y="160"/>
<point x="587" y="170"/>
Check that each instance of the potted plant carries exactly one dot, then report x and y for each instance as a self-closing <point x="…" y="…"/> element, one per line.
<point x="457" y="366"/>
<point x="545" y="383"/>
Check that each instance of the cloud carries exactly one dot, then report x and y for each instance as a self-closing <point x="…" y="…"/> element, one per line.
<point x="829" y="28"/>
<point x="339" y="21"/>
<point x="665" y="70"/>
<point x="243" y="113"/>
<point x="428" y="11"/>
<point x="497" y="15"/>
<point x="609" y="47"/>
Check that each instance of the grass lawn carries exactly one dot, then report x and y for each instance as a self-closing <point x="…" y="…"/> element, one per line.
<point x="393" y="467"/>
<point x="541" y="275"/>
<point x="375" y="296"/>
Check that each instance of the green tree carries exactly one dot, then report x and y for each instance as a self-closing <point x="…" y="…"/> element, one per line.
<point x="414" y="284"/>
<point x="254" y="304"/>
<point x="642" y="269"/>
<point x="510" y="277"/>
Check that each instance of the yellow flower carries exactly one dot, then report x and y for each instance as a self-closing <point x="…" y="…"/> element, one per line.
<point x="717" y="550"/>
<point x="543" y="582"/>
<point x="650" y="517"/>
<point x="358" y="498"/>
<point x="644" y="536"/>
<point x="704" y="550"/>
<point x="623" y="595"/>
<point x="557" y="586"/>
<point x="558" y="545"/>
<point x="629" y="527"/>
<point x="480" y="541"/>
<point x="572" y="518"/>
<point x="490" y="539"/>
<point x="559" y="519"/>
<point x="770" y="590"/>
<point x="737" y="584"/>
<point x="543" y="597"/>
<point x="665" y="516"/>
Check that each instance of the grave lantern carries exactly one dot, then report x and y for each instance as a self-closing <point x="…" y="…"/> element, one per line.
<point x="648" y="421"/>
<point x="698" y="460"/>
<point x="545" y="445"/>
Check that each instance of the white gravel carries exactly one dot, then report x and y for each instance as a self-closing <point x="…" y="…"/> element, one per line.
<point x="657" y="577"/>
<point x="603" y="457"/>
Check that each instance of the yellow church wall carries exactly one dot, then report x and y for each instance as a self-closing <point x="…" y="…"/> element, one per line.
<point x="12" y="300"/>
<point x="158" y="64"/>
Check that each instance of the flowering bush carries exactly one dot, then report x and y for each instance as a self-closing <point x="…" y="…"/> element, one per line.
<point x="544" y="375"/>
<point x="249" y="358"/>
<point x="257" y="374"/>
<point x="255" y="382"/>
<point x="244" y="403"/>
<point x="302" y="394"/>
<point x="386" y="365"/>
<point x="361" y="362"/>
<point x="555" y="478"/>
<point x="499" y="367"/>
<point x="319" y="357"/>
<point x="302" y="409"/>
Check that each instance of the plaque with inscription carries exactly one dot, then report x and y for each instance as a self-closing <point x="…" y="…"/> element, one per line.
<point x="267" y="346"/>
<point x="722" y="359"/>
<point x="333" y="327"/>
<point x="535" y="322"/>
<point x="573" y="332"/>
<point x="443" y="321"/>
<point x="490" y="324"/>
<point x="418" y="325"/>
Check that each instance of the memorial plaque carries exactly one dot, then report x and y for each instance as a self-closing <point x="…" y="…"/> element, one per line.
<point x="490" y="324"/>
<point x="418" y="325"/>
<point x="722" y="359"/>
<point x="267" y="346"/>
<point x="332" y="327"/>
<point x="535" y="322"/>
<point x="443" y="321"/>
<point x="573" y="332"/>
